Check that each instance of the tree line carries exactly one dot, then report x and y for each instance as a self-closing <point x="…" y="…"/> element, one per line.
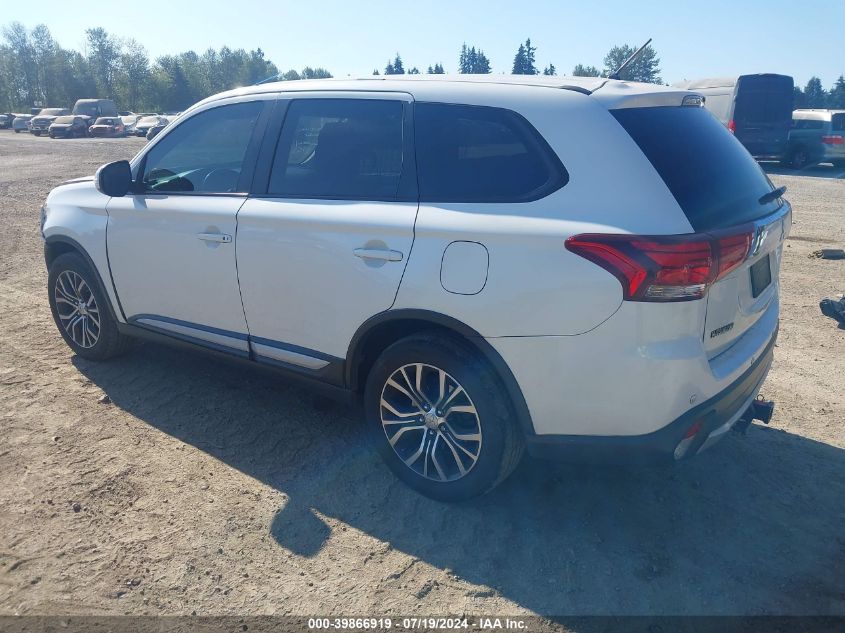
<point x="36" y="71"/>
<point x="815" y="96"/>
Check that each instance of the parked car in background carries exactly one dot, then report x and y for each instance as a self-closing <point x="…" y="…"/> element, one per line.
<point x="21" y="123"/>
<point x="448" y="253"/>
<point x="145" y="124"/>
<point x="93" y="109"/>
<point x="156" y="129"/>
<point x="817" y="136"/>
<point x="6" y="120"/>
<point x="107" y="126"/>
<point x="129" y="121"/>
<point x="756" y="108"/>
<point x="41" y="122"/>
<point x="69" y="126"/>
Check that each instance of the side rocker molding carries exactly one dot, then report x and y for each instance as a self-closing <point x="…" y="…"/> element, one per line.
<point x="359" y="343"/>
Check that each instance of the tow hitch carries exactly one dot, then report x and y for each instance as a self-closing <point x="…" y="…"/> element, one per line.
<point x="758" y="410"/>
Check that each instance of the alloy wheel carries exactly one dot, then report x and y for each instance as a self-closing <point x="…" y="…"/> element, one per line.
<point x="77" y="308"/>
<point x="430" y="422"/>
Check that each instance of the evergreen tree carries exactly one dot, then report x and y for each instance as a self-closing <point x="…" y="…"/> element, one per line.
<point x="471" y="61"/>
<point x="398" y="68"/>
<point x="550" y="70"/>
<point x="798" y="99"/>
<point x="523" y="61"/>
<point x="414" y="71"/>
<point x="836" y="97"/>
<point x="429" y="70"/>
<point x="645" y="68"/>
<point x="388" y="70"/>
<point x="814" y="93"/>
<point x="375" y="71"/>
<point x="585" y="71"/>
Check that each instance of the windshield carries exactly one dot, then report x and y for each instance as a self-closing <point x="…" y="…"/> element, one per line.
<point x="149" y="120"/>
<point x="104" y="121"/>
<point x="87" y="109"/>
<point x="714" y="179"/>
<point x="64" y="119"/>
<point x="52" y="111"/>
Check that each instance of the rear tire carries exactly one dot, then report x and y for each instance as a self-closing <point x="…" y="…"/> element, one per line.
<point x="798" y="158"/>
<point x="81" y="310"/>
<point x="458" y="439"/>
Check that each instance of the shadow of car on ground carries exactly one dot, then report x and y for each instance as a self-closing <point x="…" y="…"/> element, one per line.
<point x="754" y="526"/>
<point x="823" y="170"/>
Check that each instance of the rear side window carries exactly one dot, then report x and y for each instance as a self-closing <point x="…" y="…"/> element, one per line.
<point x="339" y="148"/>
<point x="481" y="154"/>
<point x="837" y="122"/>
<point x="714" y="179"/>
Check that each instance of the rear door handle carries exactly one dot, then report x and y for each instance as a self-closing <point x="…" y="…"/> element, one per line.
<point x="377" y="253"/>
<point x="223" y="238"/>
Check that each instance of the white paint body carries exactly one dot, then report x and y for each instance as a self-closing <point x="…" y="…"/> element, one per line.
<point x="586" y="362"/>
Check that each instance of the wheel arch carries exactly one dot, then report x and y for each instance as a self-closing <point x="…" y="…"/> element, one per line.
<point x="56" y="245"/>
<point x="385" y="328"/>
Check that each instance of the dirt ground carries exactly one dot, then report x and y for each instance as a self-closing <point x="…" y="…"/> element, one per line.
<point x="203" y="487"/>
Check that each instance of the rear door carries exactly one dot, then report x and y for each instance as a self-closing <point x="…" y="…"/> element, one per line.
<point x="719" y="187"/>
<point x="763" y="113"/>
<point x="323" y="240"/>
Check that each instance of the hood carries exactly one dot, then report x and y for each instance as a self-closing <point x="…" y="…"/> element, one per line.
<point x="47" y="118"/>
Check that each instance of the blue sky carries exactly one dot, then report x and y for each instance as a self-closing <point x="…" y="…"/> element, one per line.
<point x="712" y="38"/>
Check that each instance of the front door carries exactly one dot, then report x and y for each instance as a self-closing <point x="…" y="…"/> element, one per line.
<point x="323" y="246"/>
<point x="171" y="245"/>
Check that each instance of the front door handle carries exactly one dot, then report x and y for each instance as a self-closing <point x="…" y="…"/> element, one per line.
<point x="223" y="238"/>
<point x="378" y="253"/>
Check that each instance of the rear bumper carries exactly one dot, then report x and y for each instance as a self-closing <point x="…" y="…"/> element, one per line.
<point x="716" y="416"/>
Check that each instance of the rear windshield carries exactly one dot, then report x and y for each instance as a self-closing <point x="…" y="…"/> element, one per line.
<point x="52" y="111"/>
<point x="764" y="100"/>
<point x="712" y="176"/>
<point x="837" y="122"/>
<point x="104" y="121"/>
<point x="64" y="119"/>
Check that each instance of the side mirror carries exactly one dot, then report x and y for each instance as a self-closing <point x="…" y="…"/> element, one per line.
<point x="114" y="179"/>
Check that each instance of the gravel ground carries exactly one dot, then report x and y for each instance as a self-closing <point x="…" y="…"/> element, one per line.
<point x="196" y="486"/>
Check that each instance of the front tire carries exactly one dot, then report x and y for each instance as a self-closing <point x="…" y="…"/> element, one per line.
<point x="438" y="415"/>
<point x="81" y="310"/>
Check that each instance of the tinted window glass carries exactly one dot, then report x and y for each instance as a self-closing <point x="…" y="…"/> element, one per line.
<point x="204" y="153"/>
<point x="339" y="148"/>
<point x="713" y="178"/>
<point x="837" y="122"/>
<point x="481" y="154"/>
<point x="764" y="100"/>
<point x="808" y="124"/>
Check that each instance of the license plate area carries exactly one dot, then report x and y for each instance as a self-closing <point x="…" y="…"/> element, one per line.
<point x="761" y="276"/>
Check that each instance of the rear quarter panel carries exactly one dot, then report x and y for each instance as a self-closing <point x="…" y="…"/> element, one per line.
<point x="534" y="285"/>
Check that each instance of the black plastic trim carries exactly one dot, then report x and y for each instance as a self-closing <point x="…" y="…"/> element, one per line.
<point x="359" y="341"/>
<point x="310" y="380"/>
<point x="62" y="239"/>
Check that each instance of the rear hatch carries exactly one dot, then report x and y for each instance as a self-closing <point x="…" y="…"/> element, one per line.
<point x="723" y="193"/>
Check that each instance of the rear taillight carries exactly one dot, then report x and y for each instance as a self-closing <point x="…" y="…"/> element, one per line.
<point x="732" y="126"/>
<point x="665" y="267"/>
<point x="835" y="139"/>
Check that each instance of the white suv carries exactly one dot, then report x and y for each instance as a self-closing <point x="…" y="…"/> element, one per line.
<point x="572" y="266"/>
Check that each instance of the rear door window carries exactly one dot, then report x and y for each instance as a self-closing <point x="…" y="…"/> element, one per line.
<point x="340" y="149"/>
<point x="714" y="179"/>
<point x="763" y="100"/>
<point x="808" y="124"/>
<point x="481" y="154"/>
